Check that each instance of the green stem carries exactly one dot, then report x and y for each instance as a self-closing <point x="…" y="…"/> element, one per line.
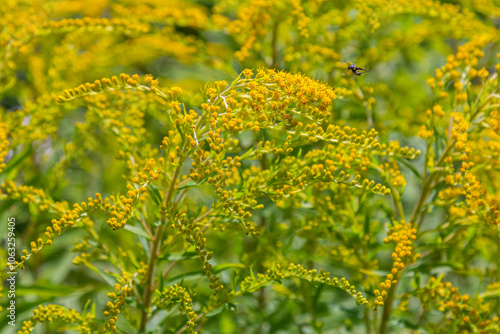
<point x="367" y="320"/>
<point x="151" y="273"/>
<point x="154" y="252"/>
<point x="398" y="206"/>
<point x="386" y="314"/>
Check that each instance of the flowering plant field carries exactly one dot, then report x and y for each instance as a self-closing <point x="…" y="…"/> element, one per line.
<point x="256" y="166"/>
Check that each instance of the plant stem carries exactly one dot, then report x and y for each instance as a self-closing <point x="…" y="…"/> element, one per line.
<point x="367" y="320"/>
<point x="398" y="207"/>
<point x="154" y="252"/>
<point x="386" y="314"/>
<point x="151" y="273"/>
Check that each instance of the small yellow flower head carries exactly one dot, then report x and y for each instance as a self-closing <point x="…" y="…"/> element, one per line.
<point x="438" y="110"/>
<point x="483" y="73"/>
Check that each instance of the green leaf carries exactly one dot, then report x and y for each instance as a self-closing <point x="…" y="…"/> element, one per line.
<point x="107" y="277"/>
<point x="84" y="311"/>
<point x="222" y="267"/>
<point x="180" y="256"/>
<point x="252" y="274"/>
<point x="490" y="294"/>
<point x="6" y="204"/>
<point x="247" y="154"/>
<point x="417" y="279"/>
<point x="469" y="102"/>
<point x="46" y="290"/>
<point x="215" y="311"/>
<point x="197" y="274"/>
<point x="235" y="81"/>
<point x="145" y="245"/>
<point x="412" y="168"/>
<point x="191" y="183"/>
<point x="181" y="132"/>
<point x="155" y="193"/>
<point x="197" y="213"/>
<point x="137" y="230"/>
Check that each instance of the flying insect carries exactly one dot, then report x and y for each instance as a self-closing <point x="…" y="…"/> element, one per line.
<point x="357" y="71"/>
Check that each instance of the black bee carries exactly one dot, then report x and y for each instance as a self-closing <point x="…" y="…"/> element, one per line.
<point x="355" y="70"/>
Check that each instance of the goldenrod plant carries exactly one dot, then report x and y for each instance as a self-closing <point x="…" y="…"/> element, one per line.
<point x="205" y="166"/>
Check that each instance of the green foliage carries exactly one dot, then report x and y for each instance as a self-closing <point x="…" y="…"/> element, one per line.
<point x="254" y="186"/>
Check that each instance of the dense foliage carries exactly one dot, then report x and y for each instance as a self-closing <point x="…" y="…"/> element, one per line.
<point x="205" y="166"/>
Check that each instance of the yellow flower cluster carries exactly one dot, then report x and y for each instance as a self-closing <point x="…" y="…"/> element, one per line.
<point x="277" y="100"/>
<point x="394" y="175"/>
<point x="38" y="198"/>
<point x="458" y="70"/>
<point x="467" y="147"/>
<point x="269" y="138"/>
<point x="223" y="174"/>
<point x="85" y="256"/>
<point x="472" y="314"/>
<point x="185" y="16"/>
<point x="123" y="289"/>
<point x="107" y="85"/>
<point x="254" y="283"/>
<point x="194" y="235"/>
<point x="50" y="313"/>
<point x="177" y="295"/>
<point x="20" y="19"/>
<point x="120" y="212"/>
<point x="68" y="218"/>
<point x="460" y="19"/>
<point x="256" y="18"/>
<point x="118" y="219"/>
<point x="31" y="195"/>
<point x="30" y="124"/>
<point x="4" y="144"/>
<point x="142" y="272"/>
<point x="93" y="24"/>
<point x="424" y="132"/>
<point x="478" y="200"/>
<point x="403" y="235"/>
